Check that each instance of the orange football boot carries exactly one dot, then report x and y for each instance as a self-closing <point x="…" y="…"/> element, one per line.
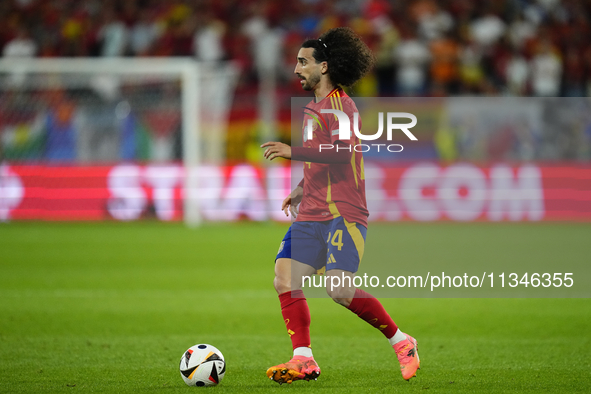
<point x="298" y="368"/>
<point x="408" y="356"/>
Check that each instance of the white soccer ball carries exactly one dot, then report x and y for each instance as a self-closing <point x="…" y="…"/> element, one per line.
<point x="202" y="365"/>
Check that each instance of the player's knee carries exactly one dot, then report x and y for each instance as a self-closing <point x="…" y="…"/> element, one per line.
<point x="343" y="301"/>
<point x="340" y="295"/>
<point x="281" y="284"/>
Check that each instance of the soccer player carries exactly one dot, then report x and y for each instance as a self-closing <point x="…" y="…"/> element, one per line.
<point x="331" y="220"/>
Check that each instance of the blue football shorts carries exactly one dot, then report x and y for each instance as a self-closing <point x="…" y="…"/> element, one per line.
<point x="334" y="244"/>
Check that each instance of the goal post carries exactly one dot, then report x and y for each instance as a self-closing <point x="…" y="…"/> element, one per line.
<point x="200" y="93"/>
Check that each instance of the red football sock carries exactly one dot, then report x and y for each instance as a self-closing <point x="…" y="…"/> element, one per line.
<point x="371" y="310"/>
<point x="296" y="315"/>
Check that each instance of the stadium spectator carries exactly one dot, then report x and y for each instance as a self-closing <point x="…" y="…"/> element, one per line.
<point x="208" y="39"/>
<point x="487" y="29"/>
<point x="472" y="75"/>
<point x="517" y="74"/>
<point x="387" y="41"/>
<point x="22" y="45"/>
<point x="520" y="31"/>
<point x="112" y="34"/>
<point x="144" y="33"/>
<point x="444" y="65"/>
<point x="412" y="57"/>
<point x="177" y="39"/>
<point x="546" y="73"/>
<point x="266" y="41"/>
<point x="434" y="22"/>
<point x="76" y="34"/>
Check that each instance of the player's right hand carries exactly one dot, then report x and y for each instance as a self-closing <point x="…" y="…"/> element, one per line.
<point x="275" y="150"/>
<point x="292" y="202"/>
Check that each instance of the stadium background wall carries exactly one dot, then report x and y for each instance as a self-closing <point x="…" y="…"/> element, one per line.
<point x="423" y="191"/>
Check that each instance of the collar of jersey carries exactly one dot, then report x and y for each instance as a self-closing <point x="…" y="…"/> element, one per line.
<point x="333" y="93"/>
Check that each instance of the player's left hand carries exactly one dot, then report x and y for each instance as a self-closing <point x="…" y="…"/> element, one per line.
<point x="276" y="149"/>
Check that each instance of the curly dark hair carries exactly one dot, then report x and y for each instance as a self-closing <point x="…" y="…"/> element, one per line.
<point x="347" y="56"/>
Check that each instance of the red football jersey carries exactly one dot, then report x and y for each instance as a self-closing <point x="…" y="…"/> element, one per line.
<point x="335" y="189"/>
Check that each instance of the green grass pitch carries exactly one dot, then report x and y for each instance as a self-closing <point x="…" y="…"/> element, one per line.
<point x="110" y="308"/>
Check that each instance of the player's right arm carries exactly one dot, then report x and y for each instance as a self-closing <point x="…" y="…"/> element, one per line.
<point x="292" y="201"/>
<point x="334" y="155"/>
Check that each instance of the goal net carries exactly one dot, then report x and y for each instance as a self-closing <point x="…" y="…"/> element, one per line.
<point x="162" y="117"/>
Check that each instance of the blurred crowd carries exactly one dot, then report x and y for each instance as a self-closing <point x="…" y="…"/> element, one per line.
<point x="423" y="47"/>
